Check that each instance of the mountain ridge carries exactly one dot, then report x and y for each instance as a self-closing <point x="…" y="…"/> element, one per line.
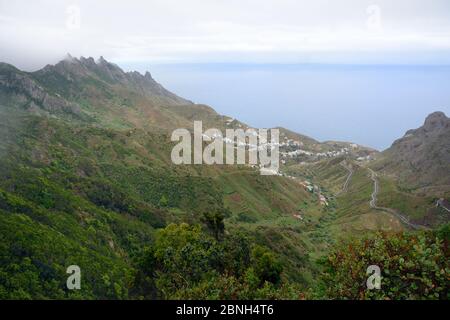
<point x="102" y="92"/>
<point x="86" y="179"/>
<point x="422" y="156"/>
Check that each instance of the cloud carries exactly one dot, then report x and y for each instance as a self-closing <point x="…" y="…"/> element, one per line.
<point x="281" y="31"/>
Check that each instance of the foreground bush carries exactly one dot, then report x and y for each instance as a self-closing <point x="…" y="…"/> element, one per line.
<point x="187" y="263"/>
<point x="413" y="266"/>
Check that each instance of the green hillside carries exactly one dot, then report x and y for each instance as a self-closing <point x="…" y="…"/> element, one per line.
<point x="86" y="179"/>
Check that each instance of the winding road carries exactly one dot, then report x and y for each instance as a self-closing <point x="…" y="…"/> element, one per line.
<point x="373" y="203"/>
<point x="440" y="203"/>
<point x="347" y="181"/>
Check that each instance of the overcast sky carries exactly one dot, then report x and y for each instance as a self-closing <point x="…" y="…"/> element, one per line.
<point x="34" y="33"/>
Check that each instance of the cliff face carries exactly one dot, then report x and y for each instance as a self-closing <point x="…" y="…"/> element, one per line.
<point x="95" y="91"/>
<point x="422" y="156"/>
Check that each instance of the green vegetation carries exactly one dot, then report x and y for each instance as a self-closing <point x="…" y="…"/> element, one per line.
<point x="96" y="197"/>
<point x="184" y="263"/>
<point x="110" y="202"/>
<point x="420" y="207"/>
<point x="86" y="179"/>
<point x="413" y="266"/>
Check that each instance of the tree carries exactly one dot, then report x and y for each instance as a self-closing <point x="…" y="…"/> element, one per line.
<point x="266" y="266"/>
<point x="237" y="253"/>
<point x="163" y="201"/>
<point x="214" y="223"/>
<point x="181" y="257"/>
<point x="413" y="266"/>
<point x="186" y="263"/>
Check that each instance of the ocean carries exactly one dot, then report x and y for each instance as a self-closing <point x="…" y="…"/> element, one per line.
<point x="368" y="104"/>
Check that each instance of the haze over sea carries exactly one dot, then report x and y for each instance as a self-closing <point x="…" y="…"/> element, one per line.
<point x="368" y="104"/>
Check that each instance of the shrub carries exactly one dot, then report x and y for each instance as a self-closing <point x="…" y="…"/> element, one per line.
<point x="413" y="266"/>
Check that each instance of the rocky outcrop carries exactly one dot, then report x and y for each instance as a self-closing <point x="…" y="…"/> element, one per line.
<point x="24" y="90"/>
<point x="81" y="72"/>
<point x="422" y="156"/>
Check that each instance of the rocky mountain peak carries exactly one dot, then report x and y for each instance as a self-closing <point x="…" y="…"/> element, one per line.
<point x="436" y="121"/>
<point x="104" y="69"/>
<point x="102" y="60"/>
<point x="69" y="58"/>
<point x="148" y="75"/>
<point x="67" y="78"/>
<point x="422" y="155"/>
<point x="89" y="62"/>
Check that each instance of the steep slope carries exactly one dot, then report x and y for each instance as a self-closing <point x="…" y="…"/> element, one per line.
<point x="86" y="179"/>
<point x="414" y="172"/>
<point x="103" y="94"/>
<point x="71" y="76"/>
<point x="19" y="89"/>
<point x="421" y="158"/>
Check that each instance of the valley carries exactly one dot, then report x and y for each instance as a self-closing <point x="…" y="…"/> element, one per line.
<point x="86" y="178"/>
